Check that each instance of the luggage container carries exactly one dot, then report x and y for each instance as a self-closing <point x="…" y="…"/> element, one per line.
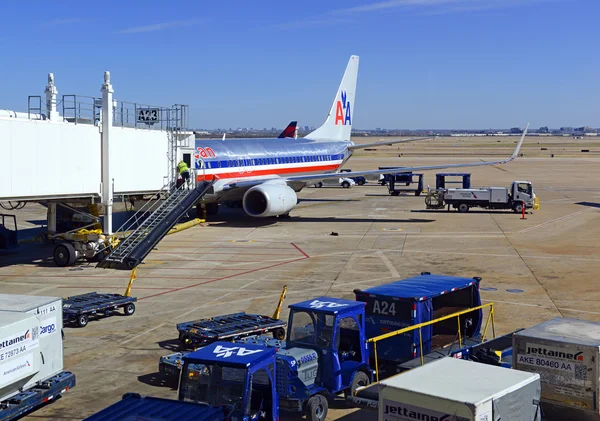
<point x="458" y="390"/>
<point x="19" y="352"/>
<point x="565" y="353"/>
<point x="417" y="300"/>
<point x="48" y="310"/>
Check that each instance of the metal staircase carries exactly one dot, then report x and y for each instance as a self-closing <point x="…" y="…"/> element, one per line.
<point x="152" y="227"/>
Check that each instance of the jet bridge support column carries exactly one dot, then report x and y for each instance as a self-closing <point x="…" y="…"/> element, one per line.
<point x="51" y="93"/>
<point x="107" y="120"/>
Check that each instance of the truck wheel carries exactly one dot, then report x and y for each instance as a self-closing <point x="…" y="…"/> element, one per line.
<point x="518" y="208"/>
<point x="82" y="320"/>
<point x="129" y="309"/>
<point x="463" y="207"/>
<point x="395" y="193"/>
<point x="361" y="182"/>
<point x="279" y="333"/>
<point x="64" y="255"/>
<point x="346" y="185"/>
<point x="319" y="184"/>
<point x="360" y="379"/>
<point x="316" y="408"/>
<point x="417" y="193"/>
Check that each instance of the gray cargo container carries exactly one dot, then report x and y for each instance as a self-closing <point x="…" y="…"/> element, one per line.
<point x="49" y="312"/>
<point x="565" y="353"/>
<point x="459" y="390"/>
<point x="19" y="351"/>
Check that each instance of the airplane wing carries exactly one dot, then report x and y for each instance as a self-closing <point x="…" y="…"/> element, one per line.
<point x="369" y="145"/>
<point x="317" y="177"/>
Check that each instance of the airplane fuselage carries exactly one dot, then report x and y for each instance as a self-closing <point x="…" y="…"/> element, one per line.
<point x="243" y="159"/>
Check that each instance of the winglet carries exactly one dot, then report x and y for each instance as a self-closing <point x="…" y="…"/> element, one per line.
<point x="518" y="148"/>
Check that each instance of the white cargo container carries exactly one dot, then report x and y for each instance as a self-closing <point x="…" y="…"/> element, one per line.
<point x="566" y="355"/>
<point x="19" y="351"/>
<point x="48" y="310"/>
<point x="459" y="390"/>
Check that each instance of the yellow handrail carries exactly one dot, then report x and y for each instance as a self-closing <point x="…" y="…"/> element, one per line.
<point x="419" y="326"/>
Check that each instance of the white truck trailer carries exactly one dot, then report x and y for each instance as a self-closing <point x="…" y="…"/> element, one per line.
<point x="520" y="192"/>
<point x="451" y="389"/>
<point x="31" y="354"/>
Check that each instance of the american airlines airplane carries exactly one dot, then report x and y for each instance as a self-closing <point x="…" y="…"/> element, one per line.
<point x="265" y="174"/>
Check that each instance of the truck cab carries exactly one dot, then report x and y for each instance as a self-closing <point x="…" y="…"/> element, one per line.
<point x="240" y="378"/>
<point x="522" y="191"/>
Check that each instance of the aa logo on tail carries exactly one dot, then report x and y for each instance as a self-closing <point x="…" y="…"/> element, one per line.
<point x="343" y="114"/>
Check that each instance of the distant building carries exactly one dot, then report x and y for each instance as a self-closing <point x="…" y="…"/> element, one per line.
<point x="516" y="130"/>
<point x="544" y="130"/>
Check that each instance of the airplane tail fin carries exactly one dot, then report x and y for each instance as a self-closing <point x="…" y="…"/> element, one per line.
<point x="289" y="131"/>
<point x="338" y="125"/>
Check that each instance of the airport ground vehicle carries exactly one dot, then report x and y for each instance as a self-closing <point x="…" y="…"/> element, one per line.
<point x="345" y="182"/>
<point x="78" y="309"/>
<point x="327" y="351"/>
<point x="518" y="195"/>
<point x="360" y="180"/>
<point x="398" y="183"/>
<point x="31" y="356"/>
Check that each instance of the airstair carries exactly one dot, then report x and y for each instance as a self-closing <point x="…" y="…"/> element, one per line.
<point x="144" y="230"/>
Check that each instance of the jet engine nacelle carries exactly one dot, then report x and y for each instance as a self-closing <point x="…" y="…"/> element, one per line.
<point x="271" y="198"/>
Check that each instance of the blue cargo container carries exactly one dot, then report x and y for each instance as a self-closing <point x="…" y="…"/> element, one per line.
<point x="417" y="300"/>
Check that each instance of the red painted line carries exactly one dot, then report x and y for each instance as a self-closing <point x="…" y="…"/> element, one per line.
<point x="222" y="278"/>
<point x="105" y="286"/>
<point x="204" y="253"/>
<point x="112" y="276"/>
<point x="300" y="250"/>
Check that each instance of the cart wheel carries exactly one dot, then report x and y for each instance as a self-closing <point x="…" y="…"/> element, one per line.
<point x="346" y="185"/>
<point x="395" y="193"/>
<point x="417" y="193"/>
<point x="319" y="184"/>
<point x="129" y="309"/>
<point x="279" y="333"/>
<point x="64" y="255"/>
<point x="360" y="380"/>
<point x="361" y="182"/>
<point x="184" y="339"/>
<point x="82" y="320"/>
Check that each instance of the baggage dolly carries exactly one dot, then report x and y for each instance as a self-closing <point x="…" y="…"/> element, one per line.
<point x="78" y="309"/>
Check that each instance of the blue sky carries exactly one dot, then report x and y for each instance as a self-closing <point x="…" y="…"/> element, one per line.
<point x="424" y="63"/>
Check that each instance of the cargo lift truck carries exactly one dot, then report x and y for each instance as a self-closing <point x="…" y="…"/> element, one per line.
<point x="326" y="353"/>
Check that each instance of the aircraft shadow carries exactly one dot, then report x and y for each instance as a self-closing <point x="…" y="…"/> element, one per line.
<point x="328" y="200"/>
<point x="365" y="219"/>
<point x="500" y="212"/>
<point x="589" y="204"/>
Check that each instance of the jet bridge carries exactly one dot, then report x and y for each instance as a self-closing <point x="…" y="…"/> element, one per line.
<point x="77" y="148"/>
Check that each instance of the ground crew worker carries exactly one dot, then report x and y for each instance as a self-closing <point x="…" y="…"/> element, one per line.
<point x="184" y="172"/>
